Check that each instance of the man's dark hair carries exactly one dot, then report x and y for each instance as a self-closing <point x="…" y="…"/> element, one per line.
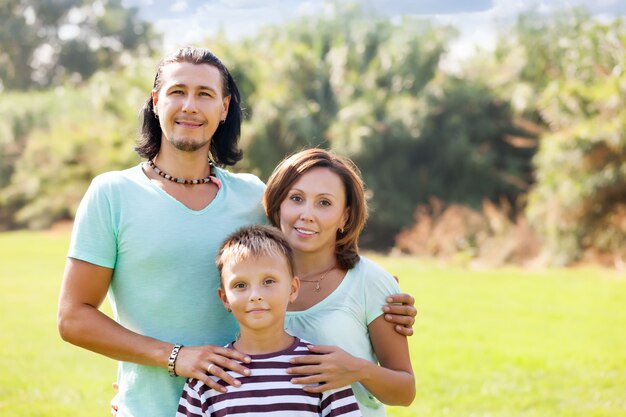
<point x="224" y="144"/>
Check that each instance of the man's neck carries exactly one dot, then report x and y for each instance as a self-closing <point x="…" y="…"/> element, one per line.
<point x="181" y="164"/>
<point x="254" y="343"/>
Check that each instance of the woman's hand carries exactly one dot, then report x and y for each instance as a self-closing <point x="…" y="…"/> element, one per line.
<point x="400" y="311"/>
<point x="333" y="369"/>
<point x="202" y="361"/>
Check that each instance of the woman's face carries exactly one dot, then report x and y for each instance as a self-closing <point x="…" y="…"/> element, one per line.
<point x="313" y="211"/>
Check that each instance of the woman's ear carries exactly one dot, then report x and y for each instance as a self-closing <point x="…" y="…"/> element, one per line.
<point x="346" y="217"/>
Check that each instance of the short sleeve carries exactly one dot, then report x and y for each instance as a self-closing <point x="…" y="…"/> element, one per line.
<point x="379" y="284"/>
<point x="94" y="236"/>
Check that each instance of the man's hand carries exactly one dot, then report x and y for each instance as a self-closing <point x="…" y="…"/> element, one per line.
<point x="400" y="311"/>
<point x="202" y="361"/>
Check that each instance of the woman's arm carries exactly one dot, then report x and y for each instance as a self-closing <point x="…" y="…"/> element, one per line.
<point x="81" y="323"/>
<point x="392" y="382"/>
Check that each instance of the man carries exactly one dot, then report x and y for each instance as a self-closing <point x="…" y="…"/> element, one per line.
<point x="146" y="236"/>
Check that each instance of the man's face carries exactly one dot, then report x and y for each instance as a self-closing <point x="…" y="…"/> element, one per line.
<point x="190" y="105"/>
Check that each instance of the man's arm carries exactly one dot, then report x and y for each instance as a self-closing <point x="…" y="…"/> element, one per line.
<point x="81" y="323"/>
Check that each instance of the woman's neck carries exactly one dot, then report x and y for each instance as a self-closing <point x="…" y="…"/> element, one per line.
<point x="311" y="263"/>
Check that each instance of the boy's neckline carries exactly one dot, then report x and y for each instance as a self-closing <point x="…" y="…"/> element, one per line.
<point x="292" y="342"/>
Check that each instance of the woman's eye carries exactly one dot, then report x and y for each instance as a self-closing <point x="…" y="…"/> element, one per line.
<point x="325" y="203"/>
<point x="295" y="198"/>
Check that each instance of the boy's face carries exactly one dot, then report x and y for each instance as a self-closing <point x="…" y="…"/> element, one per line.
<point x="258" y="290"/>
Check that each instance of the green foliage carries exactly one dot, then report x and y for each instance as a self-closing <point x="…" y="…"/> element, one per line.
<point x="451" y="142"/>
<point x="93" y="130"/>
<point x="367" y="87"/>
<point x="564" y="77"/>
<point x="539" y="121"/>
<point x="22" y="113"/>
<point x="45" y="43"/>
<point x="579" y="201"/>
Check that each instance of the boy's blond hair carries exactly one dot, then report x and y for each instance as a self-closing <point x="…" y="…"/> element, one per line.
<point x="254" y="241"/>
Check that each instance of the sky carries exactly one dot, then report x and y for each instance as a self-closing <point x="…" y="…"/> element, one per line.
<point x="185" y="22"/>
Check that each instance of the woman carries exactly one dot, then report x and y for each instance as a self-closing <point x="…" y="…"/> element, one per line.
<point x="317" y="199"/>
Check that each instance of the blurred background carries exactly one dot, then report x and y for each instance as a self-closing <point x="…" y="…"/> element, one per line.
<point x="491" y="136"/>
<point x="488" y="131"/>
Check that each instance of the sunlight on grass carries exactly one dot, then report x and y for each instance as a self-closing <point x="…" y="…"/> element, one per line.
<point x="516" y="343"/>
<point x="488" y="343"/>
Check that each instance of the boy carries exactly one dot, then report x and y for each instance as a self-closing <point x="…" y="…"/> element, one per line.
<point x="257" y="284"/>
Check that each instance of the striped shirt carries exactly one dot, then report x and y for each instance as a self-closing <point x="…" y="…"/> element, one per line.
<point x="267" y="391"/>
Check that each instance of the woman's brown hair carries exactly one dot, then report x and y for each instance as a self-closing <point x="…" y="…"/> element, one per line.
<point x="292" y="168"/>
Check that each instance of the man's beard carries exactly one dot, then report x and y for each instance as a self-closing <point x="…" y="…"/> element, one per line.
<point x="185" y="145"/>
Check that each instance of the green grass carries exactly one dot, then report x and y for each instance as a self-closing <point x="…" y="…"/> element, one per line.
<point x="488" y="343"/>
<point x="510" y="342"/>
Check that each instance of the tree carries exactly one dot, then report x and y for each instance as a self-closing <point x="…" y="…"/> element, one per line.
<point x="563" y="74"/>
<point x="369" y="89"/>
<point x="45" y="43"/>
<point x="88" y="131"/>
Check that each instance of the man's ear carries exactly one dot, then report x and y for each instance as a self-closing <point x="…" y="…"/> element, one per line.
<point x="222" y="295"/>
<point x="225" y="104"/>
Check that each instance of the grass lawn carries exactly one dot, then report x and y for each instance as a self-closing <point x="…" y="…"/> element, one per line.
<point x="488" y="343"/>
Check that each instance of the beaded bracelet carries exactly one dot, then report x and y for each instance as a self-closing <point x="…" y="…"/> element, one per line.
<point x="172" y="360"/>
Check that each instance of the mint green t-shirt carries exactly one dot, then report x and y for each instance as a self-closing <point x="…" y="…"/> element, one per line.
<point x="164" y="282"/>
<point x="341" y="319"/>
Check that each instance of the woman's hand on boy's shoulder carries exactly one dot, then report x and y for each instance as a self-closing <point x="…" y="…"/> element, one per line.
<point x="328" y="367"/>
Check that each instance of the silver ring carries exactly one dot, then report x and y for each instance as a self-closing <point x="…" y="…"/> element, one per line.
<point x="210" y="367"/>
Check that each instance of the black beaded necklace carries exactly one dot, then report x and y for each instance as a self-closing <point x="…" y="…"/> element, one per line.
<point x="210" y="178"/>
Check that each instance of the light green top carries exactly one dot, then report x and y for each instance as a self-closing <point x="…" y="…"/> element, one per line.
<point x="164" y="280"/>
<point x="341" y="319"/>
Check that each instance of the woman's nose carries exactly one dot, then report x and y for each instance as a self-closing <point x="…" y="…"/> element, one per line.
<point x="306" y="213"/>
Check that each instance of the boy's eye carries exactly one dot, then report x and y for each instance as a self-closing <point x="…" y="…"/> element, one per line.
<point x="239" y="285"/>
<point x="269" y="281"/>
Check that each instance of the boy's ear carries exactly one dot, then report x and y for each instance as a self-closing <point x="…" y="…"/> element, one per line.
<point x="295" y="287"/>
<point x="222" y="295"/>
